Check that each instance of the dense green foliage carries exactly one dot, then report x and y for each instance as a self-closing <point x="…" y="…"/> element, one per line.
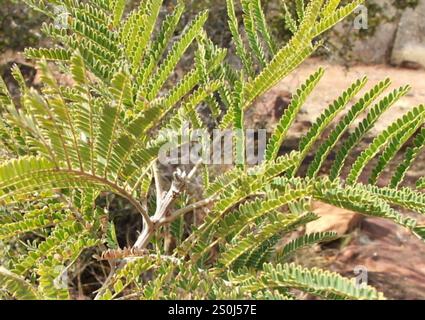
<point x="71" y="143"/>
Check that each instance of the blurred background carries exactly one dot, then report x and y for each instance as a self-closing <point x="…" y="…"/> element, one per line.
<point x="390" y="43"/>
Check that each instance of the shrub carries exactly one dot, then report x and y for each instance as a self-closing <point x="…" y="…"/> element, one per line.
<point x="70" y="144"/>
<point x="18" y="26"/>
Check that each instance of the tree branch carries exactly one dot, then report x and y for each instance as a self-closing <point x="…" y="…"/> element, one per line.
<point x="158" y="182"/>
<point x="164" y="202"/>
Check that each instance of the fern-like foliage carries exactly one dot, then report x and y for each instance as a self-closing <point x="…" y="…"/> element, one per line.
<point x="72" y="145"/>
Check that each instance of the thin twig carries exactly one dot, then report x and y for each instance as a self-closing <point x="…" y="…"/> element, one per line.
<point x="105" y="285"/>
<point x="176" y="214"/>
<point x="194" y="169"/>
<point x="114" y="187"/>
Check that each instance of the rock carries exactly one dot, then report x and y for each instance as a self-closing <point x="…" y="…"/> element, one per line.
<point x="371" y="45"/>
<point x="377" y="48"/>
<point x="332" y="218"/>
<point x="409" y="46"/>
<point x="393" y="258"/>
